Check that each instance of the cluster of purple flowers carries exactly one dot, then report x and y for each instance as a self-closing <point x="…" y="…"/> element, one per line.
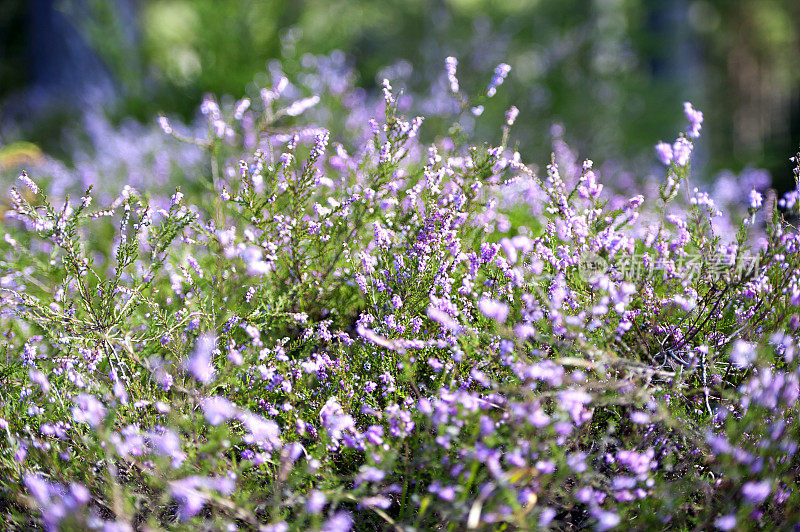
<point x="359" y="329"/>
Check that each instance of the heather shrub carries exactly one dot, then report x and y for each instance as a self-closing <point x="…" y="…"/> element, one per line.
<point x="336" y="325"/>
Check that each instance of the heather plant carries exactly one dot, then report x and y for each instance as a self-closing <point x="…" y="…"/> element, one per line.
<point x="339" y="326"/>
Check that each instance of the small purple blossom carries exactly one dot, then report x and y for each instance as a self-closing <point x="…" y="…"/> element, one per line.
<point x="664" y="152"/>
<point x="89" y="410"/>
<point x="499" y="76"/>
<point x="199" y="364"/>
<point x="450" y="65"/>
<point x="493" y="309"/>
<point x="28" y="182"/>
<point x="300" y="106"/>
<point x="725" y="522"/>
<point x="756" y="492"/>
<point x="695" y="119"/>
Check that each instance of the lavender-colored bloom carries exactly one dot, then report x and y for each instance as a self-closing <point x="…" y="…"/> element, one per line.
<point x="41" y="379"/>
<point x="500" y="74"/>
<point x="397" y="301"/>
<point x="756" y="199"/>
<point x="301" y="106"/>
<point x="28" y="182"/>
<point x="547" y="516"/>
<point x="450" y="64"/>
<point x="574" y="401"/>
<point x="756" y="492"/>
<point x="639" y="463"/>
<point x="320" y="144"/>
<point x="493" y="309"/>
<point x="743" y="354"/>
<point x="444" y="319"/>
<point x="682" y="151"/>
<point x="664" y="153"/>
<point x="89" y="410"/>
<point x="695" y="119"/>
<point x="168" y="443"/>
<point x="187" y="492"/>
<point x="263" y="432"/>
<point x="577" y="461"/>
<point x="218" y="410"/>
<point x="334" y="419"/>
<point x="447" y="493"/>
<point x="39" y="488"/>
<point x="725" y="522"/>
<point x="315" y="502"/>
<point x="376" y="501"/>
<point x="199" y="364"/>
<point x="241" y="106"/>
<point x="369" y="474"/>
<point x="511" y="115"/>
<point x="606" y="520"/>
<point x="340" y="522"/>
<point x="163" y="123"/>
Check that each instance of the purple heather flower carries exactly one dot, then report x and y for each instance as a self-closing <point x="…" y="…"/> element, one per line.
<point x="638" y="463"/>
<point x="39" y="488"/>
<point x="547" y="516"/>
<point x="199" y="364"/>
<point x="695" y="119"/>
<point x="315" y="502"/>
<point x="41" y="379"/>
<point x="743" y="354"/>
<point x="756" y="199"/>
<point x="218" y="410"/>
<point x="725" y="522"/>
<point x="447" y="493"/>
<point x="444" y="319"/>
<point x="397" y="301"/>
<point x="301" y="106"/>
<point x="511" y="115"/>
<point x="241" y="106"/>
<point x="263" y="432"/>
<point x="682" y="151"/>
<point x="450" y="64"/>
<point x="89" y="410"/>
<point x="493" y="309"/>
<point x="577" y="461"/>
<point x="28" y="182"/>
<point x="164" y="124"/>
<point x="320" y="144"/>
<point x="168" y="444"/>
<point x="500" y="74"/>
<point x="606" y="520"/>
<point x="187" y="492"/>
<point x="369" y="474"/>
<point x="756" y="492"/>
<point x="339" y="522"/>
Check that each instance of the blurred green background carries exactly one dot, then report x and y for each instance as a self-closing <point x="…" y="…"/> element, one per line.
<point x="614" y="73"/>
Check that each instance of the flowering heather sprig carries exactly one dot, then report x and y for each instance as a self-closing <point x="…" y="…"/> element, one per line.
<point x="695" y="119"/>
<point x="450" y="65"/>
<point x="499" y="76"/>
<point x="301" y="106"/>
<point x="511" y="115"/>
<point x="164" y="124"/>
<point x="28" y="182"/>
